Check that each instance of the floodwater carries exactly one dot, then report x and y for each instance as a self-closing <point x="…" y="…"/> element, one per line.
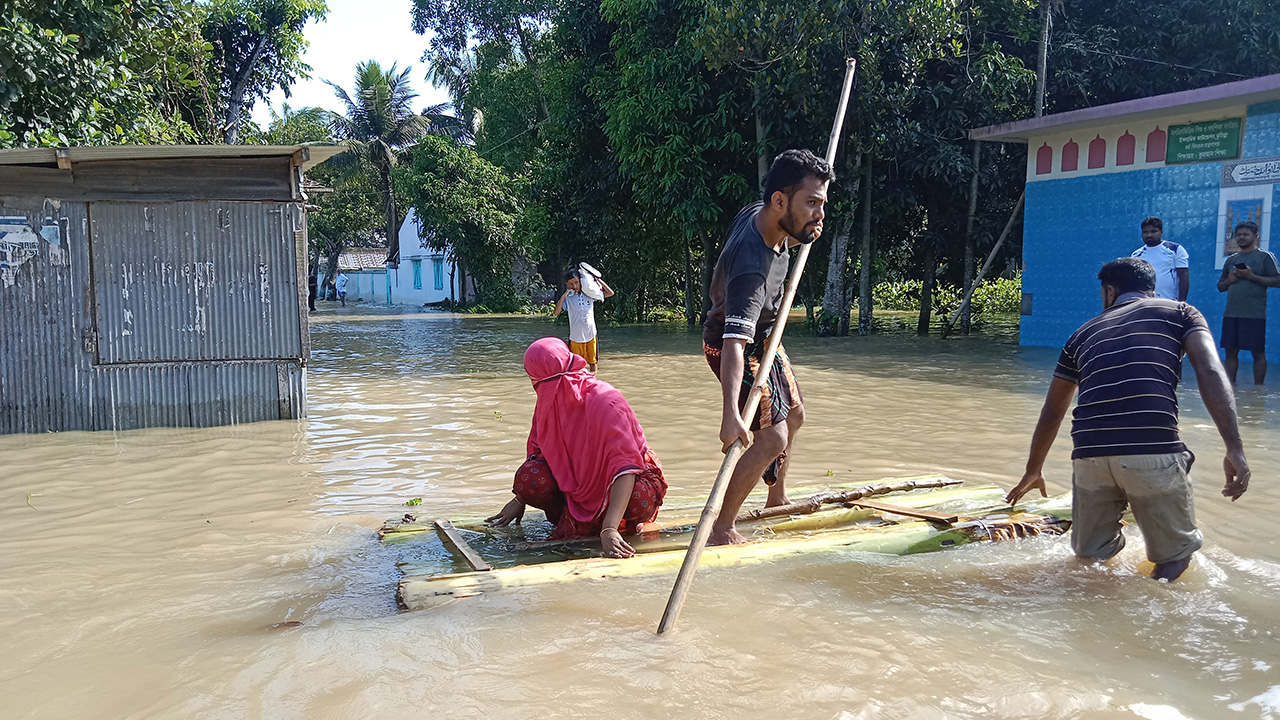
<point x="234" y="572"/>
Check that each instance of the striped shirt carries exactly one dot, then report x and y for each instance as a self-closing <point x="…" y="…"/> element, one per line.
<point x="1127" y="362"/>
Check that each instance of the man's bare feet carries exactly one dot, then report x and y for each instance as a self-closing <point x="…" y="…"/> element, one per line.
<point x="730" y="536"/>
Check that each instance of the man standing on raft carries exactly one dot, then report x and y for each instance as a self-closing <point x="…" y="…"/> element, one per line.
<point x="746" y="294"/>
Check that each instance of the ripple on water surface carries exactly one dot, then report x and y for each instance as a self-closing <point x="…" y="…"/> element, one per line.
<point x="233" y="572"/>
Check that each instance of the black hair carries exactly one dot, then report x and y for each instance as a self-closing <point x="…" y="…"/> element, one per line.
<point x="1154" y="222"/>
<point x="790" y="169"/>
<point x="1252" y="226"/>
<point x="1129" y="274"/>
<point x="571" y="275"/>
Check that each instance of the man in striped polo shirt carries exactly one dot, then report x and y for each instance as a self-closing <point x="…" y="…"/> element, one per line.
<point x="1125" y="364"/>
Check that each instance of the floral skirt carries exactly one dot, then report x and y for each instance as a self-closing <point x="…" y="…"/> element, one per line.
<point x="535" y="486"/>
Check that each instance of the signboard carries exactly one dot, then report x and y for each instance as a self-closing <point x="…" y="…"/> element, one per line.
<point x="1256" y="171"/>
<point x="1204" y="141"/>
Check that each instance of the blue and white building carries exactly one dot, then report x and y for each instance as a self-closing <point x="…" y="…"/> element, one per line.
<point x="424" y="275"/>
<point x="1201" y="160"/>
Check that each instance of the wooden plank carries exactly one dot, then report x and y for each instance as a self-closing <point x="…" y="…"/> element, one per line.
<point x="64" y="158"/>
<point x="902" y="510"/>
<point x="453" y="538"/>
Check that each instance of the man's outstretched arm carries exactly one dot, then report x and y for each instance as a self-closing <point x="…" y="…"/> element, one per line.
<point x="1056" y="403"/>
<point x="1215" y="390"/>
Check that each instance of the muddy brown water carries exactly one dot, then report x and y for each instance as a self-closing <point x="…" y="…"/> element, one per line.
<point x="234" y="573"/>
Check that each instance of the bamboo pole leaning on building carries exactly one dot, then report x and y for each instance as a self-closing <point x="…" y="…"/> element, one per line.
<point x="721" y="484"/>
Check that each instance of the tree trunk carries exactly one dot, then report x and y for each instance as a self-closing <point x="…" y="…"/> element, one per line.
<point x="689" y="316"/>
<point x="709" y="258"/>
<point x="526" y="49"/>
<point x="930" y="277"/>
<point x="969" y="238"/>
<point x="762" y="161"/>
<point x="393" y="233"/>
<point x="864" y="279"/>
<point x="332" y="252"/>
<point x="1042" y="59"/>
<point x="836" y="303"/>
<point x="834" y="293"/>
<point x="453" y="280"/>
<point x="239" y="86"/>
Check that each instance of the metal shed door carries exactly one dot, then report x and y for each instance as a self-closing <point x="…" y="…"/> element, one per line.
<point x="190" y="281"/>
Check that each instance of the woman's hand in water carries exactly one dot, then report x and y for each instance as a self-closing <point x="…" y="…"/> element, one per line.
<point x="511" y="512"/>
<point x="613" y="544"/>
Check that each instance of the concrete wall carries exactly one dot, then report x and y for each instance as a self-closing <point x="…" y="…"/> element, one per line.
<point x="1076" y="221"/>
<point x="412" y="254"/>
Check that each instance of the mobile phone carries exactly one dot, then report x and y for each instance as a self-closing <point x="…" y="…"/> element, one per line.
<point x="1241" y="266"/>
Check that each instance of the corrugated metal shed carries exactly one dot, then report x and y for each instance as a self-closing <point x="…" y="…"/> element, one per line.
<point x="153" y="300"/>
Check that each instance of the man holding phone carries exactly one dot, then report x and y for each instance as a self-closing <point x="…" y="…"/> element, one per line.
<point x="1245" y="279"/>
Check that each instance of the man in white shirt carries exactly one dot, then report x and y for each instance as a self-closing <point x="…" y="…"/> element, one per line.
<point x="582" y="318"/>
<point x="1173" y="274"/>
<point x="340" y="286"/>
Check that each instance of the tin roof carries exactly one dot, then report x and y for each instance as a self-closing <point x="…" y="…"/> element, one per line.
<point x="314" y="155"/>
<point x="363" y="258"/>
<point x="1243" y="92"/>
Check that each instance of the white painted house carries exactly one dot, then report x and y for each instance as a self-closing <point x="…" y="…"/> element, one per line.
<point x="424" y="276"/>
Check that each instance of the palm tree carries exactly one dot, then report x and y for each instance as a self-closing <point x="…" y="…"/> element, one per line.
<point x="378" y="126"/>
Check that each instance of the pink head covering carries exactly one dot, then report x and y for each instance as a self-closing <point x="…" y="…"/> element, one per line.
<point x="582" y="426"/>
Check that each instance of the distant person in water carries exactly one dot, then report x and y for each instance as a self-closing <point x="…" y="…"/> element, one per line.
<point x="583" y="339"/>
<point x="746" y="300"/>
<point x="589" y="467"/>
<point x="1246" y="276"/>
<point x="340" y="286"/>
<point x="1173" y="266"/>
<point x="1125" y="364"/>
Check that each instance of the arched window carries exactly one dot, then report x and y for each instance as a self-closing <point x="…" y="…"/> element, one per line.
<point x="1097" y="152"/>
<point x="1155" y="145"/>
<point x="1070" y="156"/>
<point x="1125" y="148"/>
<point x="1044" y="160"/>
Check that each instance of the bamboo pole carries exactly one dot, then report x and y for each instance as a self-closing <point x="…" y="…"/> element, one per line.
<point x="721" y="484"/>
<point x="421" y="591"/>
<point x="811" y="505"/>
<point x="987" y="265"/>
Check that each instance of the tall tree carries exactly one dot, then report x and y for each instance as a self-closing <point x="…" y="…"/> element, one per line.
<point x="378" y="125"/>
<point x="257" y="46"/>
<point x="102" y="71"/>
<point x="469" y="206"/>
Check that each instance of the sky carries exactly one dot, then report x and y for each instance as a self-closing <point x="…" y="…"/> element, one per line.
<point x="355" y="31"/>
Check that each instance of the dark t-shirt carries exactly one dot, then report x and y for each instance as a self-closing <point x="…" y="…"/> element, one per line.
<point x="747" y="286"/>
<point x="1126" y="362"/>
<point x="1246" y="298"/>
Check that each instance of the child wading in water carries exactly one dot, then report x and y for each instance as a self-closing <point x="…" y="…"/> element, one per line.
<point x="582" y="317"/>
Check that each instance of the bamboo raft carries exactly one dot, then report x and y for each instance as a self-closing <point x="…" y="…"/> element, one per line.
<point x="907" y="516"/>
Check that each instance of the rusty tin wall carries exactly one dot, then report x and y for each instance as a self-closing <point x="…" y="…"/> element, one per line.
<point x="145" y="314"/>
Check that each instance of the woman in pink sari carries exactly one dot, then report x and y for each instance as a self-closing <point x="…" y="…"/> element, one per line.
<point x="589" y="467"/>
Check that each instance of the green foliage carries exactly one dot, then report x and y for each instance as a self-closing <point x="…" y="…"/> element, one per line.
<point x="467" y="203"/>
<point x="999" y="295"/>
<point x="96" y="72"/>
<point x="257" y="46"/>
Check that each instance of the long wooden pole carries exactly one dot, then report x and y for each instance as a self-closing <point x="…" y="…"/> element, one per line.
<point x="721" y="484"/>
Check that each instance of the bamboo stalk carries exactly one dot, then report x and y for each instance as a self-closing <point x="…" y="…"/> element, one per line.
<point x="811" y="505"/>
<point x="690" y="564"/>
<point x="422" y="591"/>
<point x="815" y="503"/>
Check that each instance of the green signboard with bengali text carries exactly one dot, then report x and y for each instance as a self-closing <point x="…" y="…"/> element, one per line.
<point x="1204" y="141"/>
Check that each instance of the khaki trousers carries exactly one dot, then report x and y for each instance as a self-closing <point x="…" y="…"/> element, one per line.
<point x="1157" y="487"/>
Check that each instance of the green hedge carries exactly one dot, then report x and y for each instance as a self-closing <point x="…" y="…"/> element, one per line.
<point x="1000" y="295"/>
